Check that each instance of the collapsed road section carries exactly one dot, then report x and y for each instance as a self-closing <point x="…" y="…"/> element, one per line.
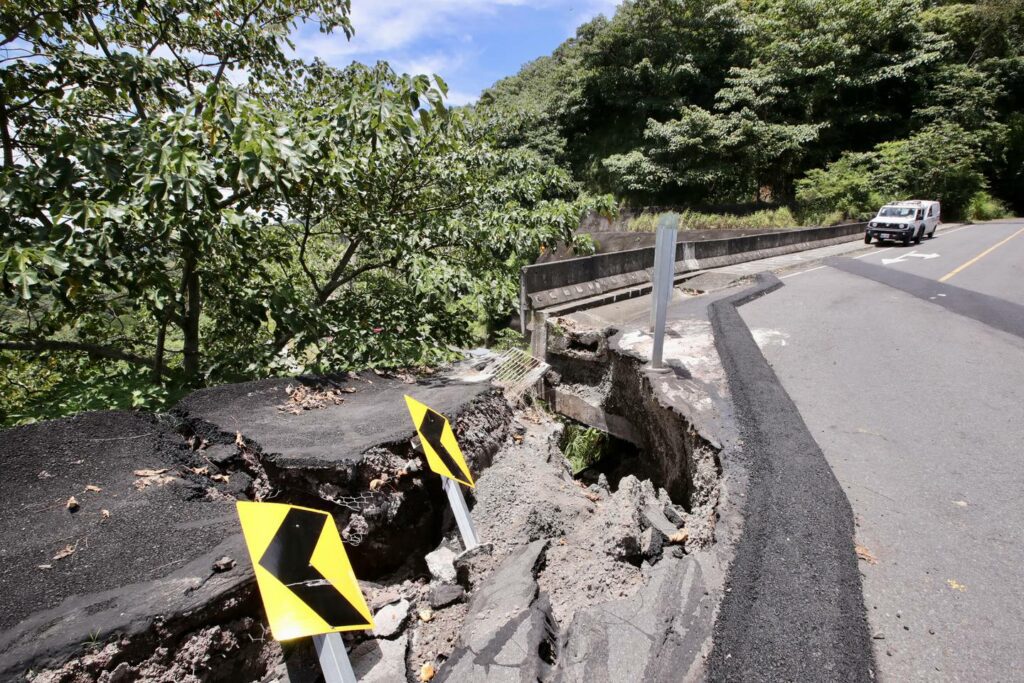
<point x="599" y="573"/>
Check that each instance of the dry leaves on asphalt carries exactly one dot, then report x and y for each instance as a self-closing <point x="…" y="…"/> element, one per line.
<point x="72" y="504"/>
<point x="302" y="398"/>
<point x="93" y="488"/>
<point x="956" y="585"/>
<point x="865" y="554"/>
<point x="151" y="478"/>
<point x="427" y="672"/>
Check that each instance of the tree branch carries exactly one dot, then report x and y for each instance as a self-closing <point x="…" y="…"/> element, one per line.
<point x="132" y="90"/>
<point x="336" y="280"/>
<point x="5" y="133"/>
<point x="97" y="350"/>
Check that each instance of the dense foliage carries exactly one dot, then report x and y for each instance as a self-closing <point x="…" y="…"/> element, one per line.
<point x="840" y="104"/>
<point x="180" y="203"/>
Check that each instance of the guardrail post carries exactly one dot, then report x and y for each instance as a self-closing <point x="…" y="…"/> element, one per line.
<point x="664" y="274"/>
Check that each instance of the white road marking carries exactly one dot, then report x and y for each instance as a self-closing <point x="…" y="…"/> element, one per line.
<point x="801" y="272"/>
<point x="937" y="236"/>
<point x="872" y="253"/>
<point x="902" y="257"/>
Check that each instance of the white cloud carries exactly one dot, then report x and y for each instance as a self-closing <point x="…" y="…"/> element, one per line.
<point x="428" y="36"/>
<point x="459" y="97"/>
<point x="389" y="25"/>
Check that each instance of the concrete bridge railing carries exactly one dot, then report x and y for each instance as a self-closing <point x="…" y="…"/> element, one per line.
<point x="576" y="283"/>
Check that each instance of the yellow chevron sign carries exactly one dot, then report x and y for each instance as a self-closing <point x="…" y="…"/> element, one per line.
<point x="443" y="453"/>
<point x="305" y="579"/>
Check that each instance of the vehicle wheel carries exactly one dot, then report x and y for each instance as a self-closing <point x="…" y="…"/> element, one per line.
<point x="906" y="239"/>
<point x="919" y="235"/>
<point x="867" y="238"/>
<point x="931" y="235"/>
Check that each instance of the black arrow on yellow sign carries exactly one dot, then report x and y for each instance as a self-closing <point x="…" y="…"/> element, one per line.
<point x="439" y="444"/>
<point x="431" y="429"/>
<point x="289" y="559"/>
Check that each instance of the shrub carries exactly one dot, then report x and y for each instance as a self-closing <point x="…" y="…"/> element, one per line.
<point x="984" y="207"/>
<point x="583" y="446"/>
<point x="939" y="162"/>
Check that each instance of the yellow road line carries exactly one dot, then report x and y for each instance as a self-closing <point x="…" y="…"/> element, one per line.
<point x="979" y="257"/>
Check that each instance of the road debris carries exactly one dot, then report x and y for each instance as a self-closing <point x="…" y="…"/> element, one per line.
<point x="67" y="551"/>
<point x="865" y="554"/>
<point x="427" y="672"/>
<point x="148" y="477"/>
<point x="956" y="585"/>
<point x="93" y="488"/>
<point x="224" y="564"/>
<point x="680" y="537"/>
<point x="72" y="504"/>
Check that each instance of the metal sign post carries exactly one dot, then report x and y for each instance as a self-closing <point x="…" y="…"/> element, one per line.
<point x="461" y="512"/>
<point x="445" y="458"/>
<point x="330" y="648"/>
<point x="664" y="274"/>
<point x="656" y="281"/>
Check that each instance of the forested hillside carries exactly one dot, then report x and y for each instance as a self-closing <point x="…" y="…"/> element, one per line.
<point x="828" y="104"/>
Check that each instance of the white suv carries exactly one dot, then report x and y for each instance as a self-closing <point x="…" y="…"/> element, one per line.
<point x="905" y="221"/>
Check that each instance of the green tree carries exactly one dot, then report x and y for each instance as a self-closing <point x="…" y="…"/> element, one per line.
<point x="175" y="228"/>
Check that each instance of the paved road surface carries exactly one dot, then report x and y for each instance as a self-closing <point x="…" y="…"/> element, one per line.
<point x="920" y="413"/>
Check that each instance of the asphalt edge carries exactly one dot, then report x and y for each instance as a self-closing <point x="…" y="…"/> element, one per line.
<point x="984" y="308"/>
<point x="793" y="607"/>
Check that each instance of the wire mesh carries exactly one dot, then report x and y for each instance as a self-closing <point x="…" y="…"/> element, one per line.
<point x="516" y="371"/>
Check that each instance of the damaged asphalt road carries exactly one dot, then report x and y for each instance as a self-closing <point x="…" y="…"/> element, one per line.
<point x="793" y="609"/>
<point x="133" y="547"/>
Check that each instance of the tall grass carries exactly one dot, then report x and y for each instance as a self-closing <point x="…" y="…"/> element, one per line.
<point x="768" y="219"/>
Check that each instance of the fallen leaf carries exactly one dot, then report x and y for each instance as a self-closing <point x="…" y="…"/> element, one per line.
<point x="151" y="478"/>
<point x="219" y="477"/>
<point x="149" y="473"/>
<point x="426" y="614"/>
<point x="45" y="566"/>
<point x="680" y="536"/>
<point x="93" y="488"/>
<point x="239" y="441"/>
<point x="865" y="554"/>
<point x="201" y="471"/>
<point x="72" y="504"/>
<point x="66" y="552"/>
<point x="376" y="484"/>
<point x="427" y="672"/>
<point x="956" y="585"/>
<point x="105" y="514"/>
<point x="348" y="390"/>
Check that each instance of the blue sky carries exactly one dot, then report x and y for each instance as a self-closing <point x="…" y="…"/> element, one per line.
<point x="469" y="43"/>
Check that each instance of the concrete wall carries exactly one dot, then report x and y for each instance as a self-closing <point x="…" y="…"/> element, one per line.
<point x="546" y="284"/>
